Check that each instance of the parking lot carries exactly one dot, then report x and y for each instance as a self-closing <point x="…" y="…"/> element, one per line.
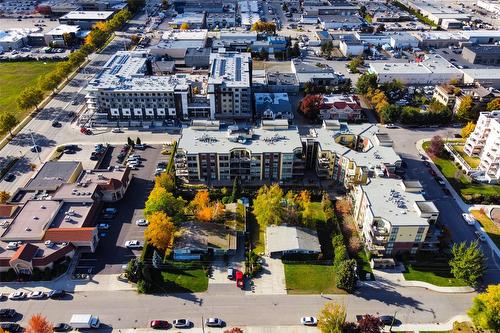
<point x="111" y="253"/>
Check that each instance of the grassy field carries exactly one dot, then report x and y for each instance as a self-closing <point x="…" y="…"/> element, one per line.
<point x="491" y="228"/>
<point x="461" y="184"/>
<point x="311" y="279"/>
<point x="472" y="161"/>
<point x="437" y="278"/>
<point x="14" y="77"/>
<point x="185" y="280"/>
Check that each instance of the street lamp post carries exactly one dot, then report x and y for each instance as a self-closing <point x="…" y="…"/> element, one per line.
<point x="393" y="320"/>
<point x="35" y="146"/>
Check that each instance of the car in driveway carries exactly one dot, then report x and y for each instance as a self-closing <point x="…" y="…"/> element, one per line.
<point x="480" y="236"/>
<point x="62" y="327"/>
<point x="309" y="321"/>
<point x="182" y="323"/>
<point x="7" y="313"/>
<point x="37" y="294"/>
<point x="469" y="218"/>
<point x="142" y="222"/>
<point x="17" y="295"/>
<point x="159" y="324"/>
<point x="10" y="327"/>
<point x="214" y="322"/>
<point x="133" y="244"/>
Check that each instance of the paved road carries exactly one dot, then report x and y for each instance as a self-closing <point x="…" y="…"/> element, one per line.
<point x="129" y="310"/>
<point x="450" y="213"/>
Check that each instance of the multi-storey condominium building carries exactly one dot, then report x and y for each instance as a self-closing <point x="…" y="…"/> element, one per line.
<point x="394" y="217"/>
<point x="484" y="142"/>
<point x="215" y="154"/>
<point x="229" y="85"/>
<point x="350" y="154"/>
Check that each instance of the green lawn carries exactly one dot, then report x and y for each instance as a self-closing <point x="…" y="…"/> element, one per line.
<point x="363" y="264"/>
<point x="310" y="279"/>
<point x="318" y="214"/>
<point x="441" y="278"/>
<point x="257" y="233"/>
<point x="489" y="226"/>
<point x="472" y="161"/>
<point x="461" y="184"/>
<point x="14" y="77"/>
<point x="184" y="280"/>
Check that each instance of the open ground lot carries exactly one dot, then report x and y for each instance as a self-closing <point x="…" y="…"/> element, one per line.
<point x="311" y="279"/>
<point x="14" y="77"/>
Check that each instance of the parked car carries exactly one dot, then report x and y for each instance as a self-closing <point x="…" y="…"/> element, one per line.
<point x="9" y="177"/>
<point x="440" y="181"/>
<point x="62" y="327"/>
<point x="469" y="219"/>
<point x="182" y="323"/>
<point x="7" y="313"/>
<point x="446" y="191"/>
<point x="55" y="123"/>
<point x="387" y="320"/>
<point x="427" y="164"/>
<point x="480" y="236"/>
<point x="36" y="149"/>
<point x="386" y="126"/>
<point x="56" y="294"/>
<point x="230" y="273"/>
<point x="140" y="146"/>
<point x="133" y="244"/>
<point x="116" y="130"/>
<point x="159" y="324"/>
<point x="10" y="327"/>
<point x="17" y="295"/>
<point x="422" y="157"/>
<point x="214" y="322"/>
<point x="37" y="295"/>
<point x="103" y="226"/>
<point x="74" y="102"/>
<point x="309" y="321"/>
<point x="142" y="222"/>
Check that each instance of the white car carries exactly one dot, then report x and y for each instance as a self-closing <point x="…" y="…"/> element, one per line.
<point x="133" y="244"/>
<point x="214" y="322"/>
<point x="17" y="295"/>
<point x="309" y="321"/>
<point x="37" y="295"/>
<point x="103" y="226"/>
<point x="478" y="234"/>
<point x="469" y="219"/>
<point x="182" y="323"/>
<point x="142" y="222"/>
<point x="390" y="126"/>
<point x="116" y="130"/>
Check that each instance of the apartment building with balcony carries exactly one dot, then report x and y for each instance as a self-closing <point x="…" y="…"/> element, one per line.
<point x="229" y="85"/>
<point x="484" y="143"/>
<point x="349" y="154"/>
<point x="394" y="217"/>
<point x="210" y="152"/>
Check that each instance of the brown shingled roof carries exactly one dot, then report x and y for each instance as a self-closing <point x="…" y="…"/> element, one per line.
<point x="7" y="211"/>
<point x="25" y="252"/>
<point x="69" y="234"/>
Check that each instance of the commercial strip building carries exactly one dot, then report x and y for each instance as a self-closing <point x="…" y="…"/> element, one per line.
<point x="210" y="152"/>
<point x="85" y="19"/>
<point x="395" y="217"/>
<point x="434" y="69"/>
<point x="483" y="76"/>
<point x="484" y="143"/>
<point x="482" y="54"/>
<point x="55" y="214"/>
<point x="438" y="12"/>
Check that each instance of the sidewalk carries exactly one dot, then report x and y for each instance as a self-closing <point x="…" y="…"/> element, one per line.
<point x="100" y="282"/>
<point x="395" y="277"/>
<point x="431" y="327"/>
<point x="246" y="329"/>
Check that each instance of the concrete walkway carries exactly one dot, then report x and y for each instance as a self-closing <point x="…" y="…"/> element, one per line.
<point x="246" y="329"/>
<point x="395" y="277"/>
<point x="100" y="282"/>
<point x="272" y="279"/>
<point x="431" y="327"/>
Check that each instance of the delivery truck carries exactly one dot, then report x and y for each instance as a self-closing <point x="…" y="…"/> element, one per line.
<point x="84" y="321"/>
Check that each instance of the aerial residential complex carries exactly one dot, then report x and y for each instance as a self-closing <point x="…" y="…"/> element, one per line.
<point x="484" y="143"/>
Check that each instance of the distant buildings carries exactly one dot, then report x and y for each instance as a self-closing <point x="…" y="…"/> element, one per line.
<point x="434" y="69"/>
<point x="484" y="143"/>
<point x="482" y="54"/>
<point x="273" y="106"/>
<point x="192" y="19"/>
<point x="341" y="107"/>
<point x="55" y="36"/>
<point x="438" y="13"/>
<point x="13" y="39"/>
<point x="85" y="19"/>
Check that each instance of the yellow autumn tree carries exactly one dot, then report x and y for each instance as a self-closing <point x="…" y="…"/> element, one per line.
<point x="4" y="196"/>
<point x="467" y="129"/>
<point x="332" y="317"/>
<point x="160" y="231"/>
<point x="200" y="201"/>
<point x="185" y="26"/>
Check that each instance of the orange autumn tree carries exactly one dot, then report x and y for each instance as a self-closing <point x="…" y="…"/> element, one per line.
<point x="39" y="324"/>
<point x="205" y="210"/>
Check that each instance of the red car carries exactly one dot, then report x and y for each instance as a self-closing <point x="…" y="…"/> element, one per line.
<point x="240" y="283"/>
<point x="159" y="324"/>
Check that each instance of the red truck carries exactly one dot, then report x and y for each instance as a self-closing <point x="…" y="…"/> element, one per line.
<point x="240" y="283"/>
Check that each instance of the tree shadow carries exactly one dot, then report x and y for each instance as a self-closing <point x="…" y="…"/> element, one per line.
<point x="26" y="139"/>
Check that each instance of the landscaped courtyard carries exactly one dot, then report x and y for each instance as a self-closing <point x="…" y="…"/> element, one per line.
<point x="489" y="226"/>
<point x="473" y="162"/>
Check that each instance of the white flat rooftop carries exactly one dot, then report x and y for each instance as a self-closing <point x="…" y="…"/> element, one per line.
<point x="87" y="15"/>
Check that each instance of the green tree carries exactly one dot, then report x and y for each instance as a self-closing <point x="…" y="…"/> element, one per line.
<point x="135" y="5"/>
<point x="165" y="180"/>
<point x="355" y="63"/>
<point x="7" y="122"/>
<point x="295" y="50"/>
<point x="340" y="254"/>
<point x="346" y="275"/>
<point x="468" y="262"/>
<point x="29" y="97"/>
<point x="485" y="310"/>
<point x="49" y="81"/>
<point x="164" y="4"/>
<point x="69" y="39"/>
<point x="390" y="113"/>
<point x="331" y="318"/>
<point x="138" y="141"/>
<point x="267" y="205"/>
<point x="160" y="200"/>
<point x="365" y="82"/>
<point x="327" y="49"/>
<point x="465" y="108"/>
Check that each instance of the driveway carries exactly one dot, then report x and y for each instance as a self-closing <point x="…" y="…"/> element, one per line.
<point x="272" y="279"/>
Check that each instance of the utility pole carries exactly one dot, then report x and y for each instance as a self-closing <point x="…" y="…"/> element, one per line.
<point x="35" y="146"/>
<point x="202" y="324"/>
<point x="393" y="320"/>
